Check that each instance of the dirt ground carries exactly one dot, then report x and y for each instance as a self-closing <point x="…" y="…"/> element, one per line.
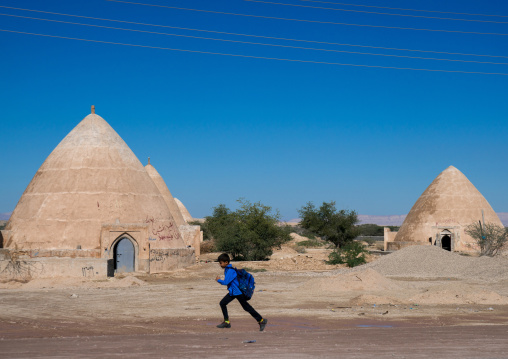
<point x="325" y="312"/>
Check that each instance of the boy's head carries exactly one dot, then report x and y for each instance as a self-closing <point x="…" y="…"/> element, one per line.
<point x="223" y="260"/>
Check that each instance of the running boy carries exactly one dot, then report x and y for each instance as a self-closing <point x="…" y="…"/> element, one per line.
<point x="234" y="293"/>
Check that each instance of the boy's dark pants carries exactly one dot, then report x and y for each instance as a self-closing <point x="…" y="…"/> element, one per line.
<point x="243" y="302"/>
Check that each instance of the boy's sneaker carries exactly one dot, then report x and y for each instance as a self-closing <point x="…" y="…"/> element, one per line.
<point x="262" y="324"/>
<point x="224" y="325"/>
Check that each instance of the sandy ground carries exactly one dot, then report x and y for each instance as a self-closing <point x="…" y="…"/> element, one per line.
<point x="324" y="312"/>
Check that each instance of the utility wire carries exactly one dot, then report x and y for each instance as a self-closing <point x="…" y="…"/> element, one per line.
<point x="310" y="21"/>
<point x="254" y="43"/>
<point x="398" y="8"/>
<point x="374" y="12"/>
<point x="256" y="36"/>
<point x="255" y="57"/>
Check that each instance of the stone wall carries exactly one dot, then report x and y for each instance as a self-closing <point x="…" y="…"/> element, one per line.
<point x="192" y="236"/>
<point x="389" y="237"/>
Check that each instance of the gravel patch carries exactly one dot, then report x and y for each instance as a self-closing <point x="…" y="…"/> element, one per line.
<point x="434" y="262"/>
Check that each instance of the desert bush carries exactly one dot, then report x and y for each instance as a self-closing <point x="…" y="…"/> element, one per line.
<point x="352" y="254"/>
<point x="490" y="237"/>
<point x="249" y="233"/>
<point x="337" y="227"/>
<point x="207" y="246"/>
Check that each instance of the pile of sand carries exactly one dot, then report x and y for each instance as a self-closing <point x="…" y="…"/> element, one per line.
<point x="367" y="280"/>
<point x="296" y="238"/>
<point x="434" y="262"/>
<point x="285" y="251"/>
<point x="128" y="281"/>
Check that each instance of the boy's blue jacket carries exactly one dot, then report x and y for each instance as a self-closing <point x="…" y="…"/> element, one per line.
<point x="230" y="280"/>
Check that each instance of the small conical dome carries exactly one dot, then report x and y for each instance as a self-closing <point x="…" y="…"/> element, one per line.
<point x="185" y="213"/>
<point x="90" y="179"/>
<point x="166" y="194"/>
<point x="449" y="204"/>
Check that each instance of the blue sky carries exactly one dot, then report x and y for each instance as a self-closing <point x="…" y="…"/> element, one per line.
<point x="219" y="127"/>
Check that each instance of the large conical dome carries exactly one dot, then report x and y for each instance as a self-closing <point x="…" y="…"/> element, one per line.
<point x="91" y="179"/>
<point x="447" y="206"/>
<point x="166" y="194"/>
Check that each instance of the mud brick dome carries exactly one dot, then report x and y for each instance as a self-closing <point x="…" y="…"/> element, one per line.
<point x="183" y="210"/>
<point x="166" y="194"/>
<point x="448" y="205"/>
<point x="91" y="179"/>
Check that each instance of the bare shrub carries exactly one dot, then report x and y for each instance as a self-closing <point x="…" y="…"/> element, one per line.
<point x="207" y="246"/>
<point x="490" y="237"/>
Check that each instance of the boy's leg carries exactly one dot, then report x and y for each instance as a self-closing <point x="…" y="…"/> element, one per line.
<point x="223" y="305"/>
<point x="248" y="308"/>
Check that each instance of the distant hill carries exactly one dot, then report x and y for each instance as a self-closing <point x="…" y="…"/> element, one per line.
<point x="503" y="216"/>
<point x="5" y="216"/>
<point x="396" y="220"/>
<point x="392" y="220"/>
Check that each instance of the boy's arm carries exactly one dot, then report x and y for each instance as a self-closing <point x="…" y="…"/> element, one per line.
<point x="228" y="278"/>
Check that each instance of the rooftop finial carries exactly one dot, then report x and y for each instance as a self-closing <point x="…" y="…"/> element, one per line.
<point x="93" y="109"/>
<point x="148" y="160"/>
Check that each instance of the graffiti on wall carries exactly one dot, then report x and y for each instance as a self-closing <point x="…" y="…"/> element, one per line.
<point x="160" y="231"/>
<point x="88" y="271"/>
<point x="158" y="255"/>
<point x="161" y="255"/>
<point x="162" y="260"/>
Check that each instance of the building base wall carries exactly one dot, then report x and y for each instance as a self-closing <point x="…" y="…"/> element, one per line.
<point x="32" y="264"/>
<point x="165" y="260"/>
<point x="26" y="268"/>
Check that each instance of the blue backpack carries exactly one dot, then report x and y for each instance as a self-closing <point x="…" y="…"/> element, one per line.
<point x="246" y="282"/>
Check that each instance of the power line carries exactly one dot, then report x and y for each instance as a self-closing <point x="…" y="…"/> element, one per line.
<point x="375" y="12"/>
<point x="254" y="43"/>
<point x="250" y="35"/>
<point x="398" y="8"/>
<point x="255" y="57"/>
<point x="310" y="21"/>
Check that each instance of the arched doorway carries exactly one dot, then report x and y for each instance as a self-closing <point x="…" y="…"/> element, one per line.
<point x="446" y="242"/>
<point x="124" y="253"/>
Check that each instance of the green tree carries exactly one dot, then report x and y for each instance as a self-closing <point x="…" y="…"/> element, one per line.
<point x="338" y="227"/>
<point x="249" y="233"/>
<point x="490" y="237"/>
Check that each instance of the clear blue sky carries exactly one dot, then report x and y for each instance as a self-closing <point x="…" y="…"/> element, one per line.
<point x="218" y="128"/>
